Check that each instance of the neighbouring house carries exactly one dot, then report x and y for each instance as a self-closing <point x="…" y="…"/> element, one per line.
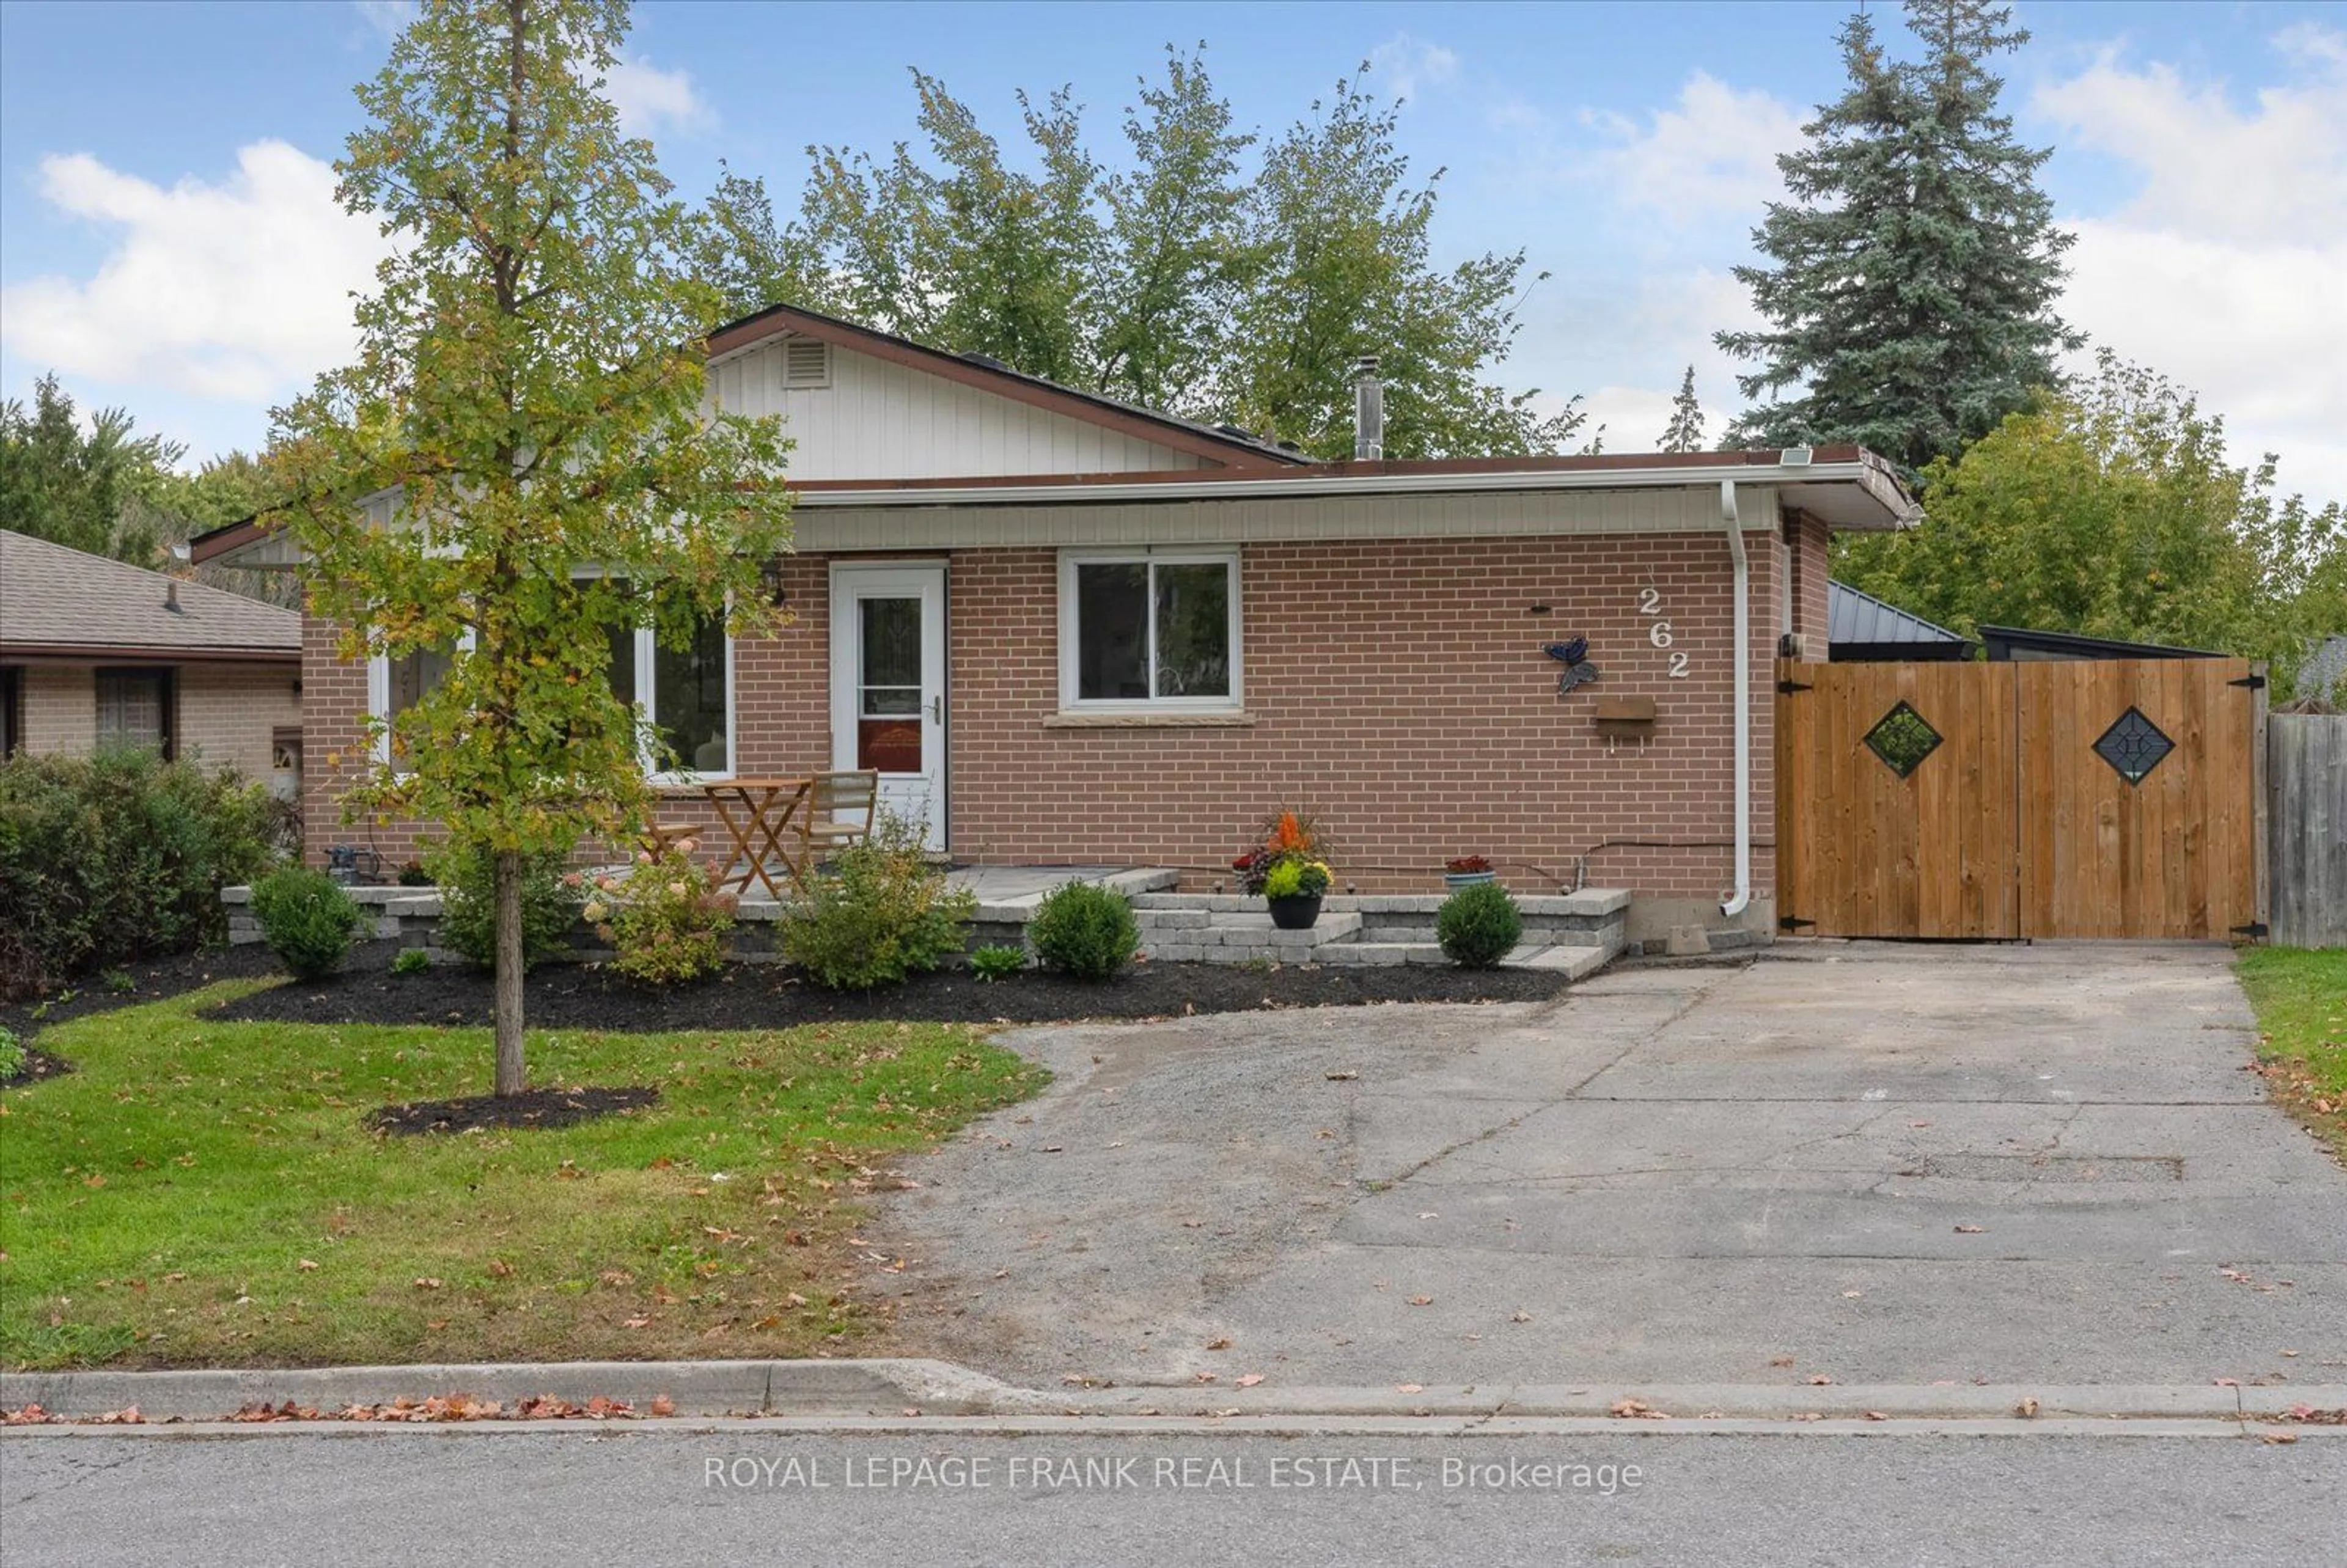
<point x="97" y="652"/>
<point x="1068" y="631"/>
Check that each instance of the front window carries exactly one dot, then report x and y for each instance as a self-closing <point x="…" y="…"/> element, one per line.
<point x="685" y="691"/>
<point x="398" y="684"/>
<point x="134" y="709"/>
<point x="1151" y="630"/>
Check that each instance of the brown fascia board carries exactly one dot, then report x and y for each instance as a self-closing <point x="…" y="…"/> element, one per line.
<point x="119" y="653"/>
<point x="218" y="541"/>
<point x="777" y="321"/>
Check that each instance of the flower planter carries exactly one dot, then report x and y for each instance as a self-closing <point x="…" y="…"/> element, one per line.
<point x="1297" y="912"/>
<point x="1454" y="880"/>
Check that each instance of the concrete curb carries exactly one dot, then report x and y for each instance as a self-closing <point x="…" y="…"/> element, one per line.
<point x="898" y="1388"/>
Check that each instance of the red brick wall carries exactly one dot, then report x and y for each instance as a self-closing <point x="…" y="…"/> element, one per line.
<point x="1399" y="689"/>
<point x="1812" y="566"/>
<point x="1396" y="687"/>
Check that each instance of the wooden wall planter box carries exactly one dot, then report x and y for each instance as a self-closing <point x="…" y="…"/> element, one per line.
<point x="1628" y="716"/>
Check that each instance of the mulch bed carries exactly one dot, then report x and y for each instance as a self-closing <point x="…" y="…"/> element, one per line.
<point x="150" y="980"/>
<point x="769" y="996"/>
<point x="531" y="1108"/>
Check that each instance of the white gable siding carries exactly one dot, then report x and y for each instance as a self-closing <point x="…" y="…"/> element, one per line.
<point x="878" y="420"/>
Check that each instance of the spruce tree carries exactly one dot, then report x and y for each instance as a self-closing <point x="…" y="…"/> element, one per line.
<point x="1686" y="432"/>
<point x="1912" y="275"/>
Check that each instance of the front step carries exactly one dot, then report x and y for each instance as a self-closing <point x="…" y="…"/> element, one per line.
<point x="1239" y="937"/>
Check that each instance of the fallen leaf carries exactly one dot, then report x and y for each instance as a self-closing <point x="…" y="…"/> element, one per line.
<point x="663" y="1405"/>
<point x="305" y="1265"/>
<point x="1421" y="1301"/>
<point x="1820" y="1379"/>
<point x="1968" y="1230"/>
<point x="1342" y="1077"/>
<point x="1852" y="1294"/>
<point x="1780" y="1360"/>
<point x="1875" y="1415"/>
<point x="638" y="1322"/>
<point x="2228" y="1382"/>
<point x="1521" y="1317"/>
<point x="2277" y="1437"/>
<point x="1410" y="1388"/>
<point x="1222" y="1343"/>
<point x="2027" y="1407"/>
<point x="426" y="1283"/>
<point x="1249" y="1382"/>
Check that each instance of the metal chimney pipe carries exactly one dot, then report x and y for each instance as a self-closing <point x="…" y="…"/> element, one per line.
<point x="1368" y="411"/>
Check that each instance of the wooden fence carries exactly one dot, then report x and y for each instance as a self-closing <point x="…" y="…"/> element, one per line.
<point x="2306" y="828"/>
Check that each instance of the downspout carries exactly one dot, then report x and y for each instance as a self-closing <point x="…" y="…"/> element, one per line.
<point x="1741" y="664"/>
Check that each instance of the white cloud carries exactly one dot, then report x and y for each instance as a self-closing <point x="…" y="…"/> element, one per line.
<point x="239" y="290"/>
<point x="1712" y="151"/>
<point x="649" y="98"/>
<point x="1404" y="63"/>
<point x="388" y="17"/>
<point x="2225" y="266"/>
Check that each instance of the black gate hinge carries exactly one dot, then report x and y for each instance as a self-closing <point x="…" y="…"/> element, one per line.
<point x="2254" y="682"/>
<point x="1788" y="923"/>
<point x="2255" y="931"/>
<point x="1787" y="688"/>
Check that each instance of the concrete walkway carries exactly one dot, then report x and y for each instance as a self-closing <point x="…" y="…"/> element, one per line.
<point x="1867" y="1163"/>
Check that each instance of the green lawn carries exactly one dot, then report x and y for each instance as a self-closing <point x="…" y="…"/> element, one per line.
<point x="204" y="1193"/>
<point x="2301" y="996"/>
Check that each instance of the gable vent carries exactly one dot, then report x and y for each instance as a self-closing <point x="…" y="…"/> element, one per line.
<point x="807" y="362"/>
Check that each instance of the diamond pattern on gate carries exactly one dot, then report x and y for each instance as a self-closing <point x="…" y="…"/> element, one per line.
<point x="1903" y="738"/>
<point x="2132" y="747"/>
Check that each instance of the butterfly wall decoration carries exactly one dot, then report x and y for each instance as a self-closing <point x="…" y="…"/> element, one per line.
<point x="1574" y="656"/>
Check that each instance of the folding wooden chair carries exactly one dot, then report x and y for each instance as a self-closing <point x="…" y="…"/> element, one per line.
<point x="839" y="813"/>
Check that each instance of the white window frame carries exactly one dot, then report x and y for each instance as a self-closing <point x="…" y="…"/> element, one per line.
<point x="379" y="704"/>
<point x="647" y="665"/>
<point x="1070" y="663"/>
<point x="647" y="648"/>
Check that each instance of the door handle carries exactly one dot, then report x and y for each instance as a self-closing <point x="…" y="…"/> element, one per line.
<point x="937" y="710"/>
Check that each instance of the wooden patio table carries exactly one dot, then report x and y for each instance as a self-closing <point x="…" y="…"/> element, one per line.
<point x="768" y="808"/>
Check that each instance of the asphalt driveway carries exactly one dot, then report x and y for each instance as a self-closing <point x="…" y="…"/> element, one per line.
<point x="1867" y="1162"/>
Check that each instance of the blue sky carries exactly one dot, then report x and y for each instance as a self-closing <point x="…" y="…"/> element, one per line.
<point x="168" y="241"/>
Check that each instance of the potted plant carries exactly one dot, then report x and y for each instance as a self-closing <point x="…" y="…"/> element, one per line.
<point x="1286" y="871"/>
<point x="1468" y="871"/>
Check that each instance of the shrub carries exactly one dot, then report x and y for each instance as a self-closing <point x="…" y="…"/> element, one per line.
<point x="11" y="1054"/>
<point x="1478" y="926"/>
<point x="666" y="920"/>
<point x="468" y="908"/>
<point x="996" y="963"/>
<point x="117" y="982"/>
<point x="1085" y="930"/>
<point x="413" y="874"/>
<point x="308" y="919"/>
<point x="410" y="961"/>
<point x="880" y="913"/>
<point x="109" y="859"/>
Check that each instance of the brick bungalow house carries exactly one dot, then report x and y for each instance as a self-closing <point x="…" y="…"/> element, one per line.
<point x="1069" y="631"/>
<point x="94" y="651"/>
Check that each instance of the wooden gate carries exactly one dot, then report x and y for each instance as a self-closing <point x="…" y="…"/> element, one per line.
<point x="2095" y="798"/>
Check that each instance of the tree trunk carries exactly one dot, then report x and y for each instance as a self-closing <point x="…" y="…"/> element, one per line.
<point x="512" y="1076"/>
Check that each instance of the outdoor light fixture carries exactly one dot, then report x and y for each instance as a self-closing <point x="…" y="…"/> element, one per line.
<point x="771" y="576"/>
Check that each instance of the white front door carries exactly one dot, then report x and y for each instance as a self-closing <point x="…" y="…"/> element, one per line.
<point x="888" y="684"/>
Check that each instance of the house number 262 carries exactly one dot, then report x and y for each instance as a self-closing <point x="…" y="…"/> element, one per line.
<point x="1658" y="630"/>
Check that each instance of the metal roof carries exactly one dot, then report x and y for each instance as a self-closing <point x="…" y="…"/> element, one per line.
<point x="61" y="601"/>
<point x="1860" y="618"/>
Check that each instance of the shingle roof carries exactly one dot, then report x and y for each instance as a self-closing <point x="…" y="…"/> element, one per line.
<point x="1855" y="617"/>
<point x="56" y="599"/>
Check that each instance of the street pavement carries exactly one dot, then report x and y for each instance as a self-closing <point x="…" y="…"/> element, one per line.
<point x="366" y="1497"/>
